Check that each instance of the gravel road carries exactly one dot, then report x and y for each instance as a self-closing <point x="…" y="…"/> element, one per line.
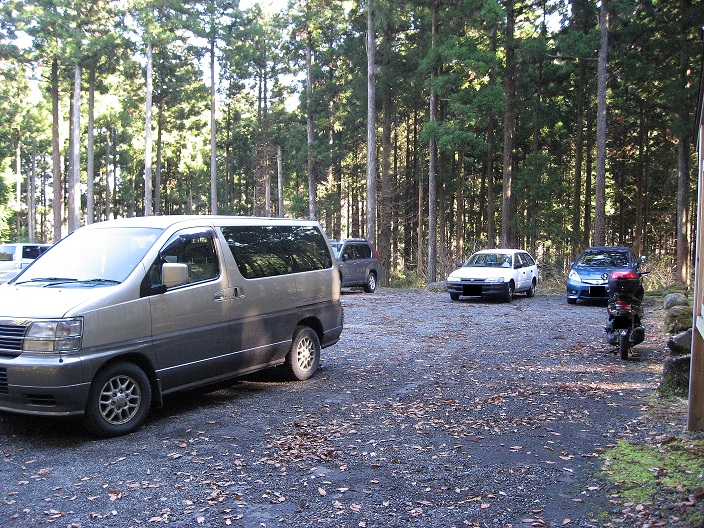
<point x="427" y="413"/>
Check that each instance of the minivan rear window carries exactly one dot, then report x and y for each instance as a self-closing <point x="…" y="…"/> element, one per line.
<point x="267" y="251"/>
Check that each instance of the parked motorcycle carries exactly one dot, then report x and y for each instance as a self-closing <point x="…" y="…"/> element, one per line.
<point x="625" y="307"/>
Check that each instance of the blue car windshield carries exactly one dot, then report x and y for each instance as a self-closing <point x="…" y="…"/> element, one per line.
<point x="97" y="256"/>
<point x="604" y="259"/>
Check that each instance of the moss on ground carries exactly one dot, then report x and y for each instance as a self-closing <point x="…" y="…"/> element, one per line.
<point x="666" y="470"/>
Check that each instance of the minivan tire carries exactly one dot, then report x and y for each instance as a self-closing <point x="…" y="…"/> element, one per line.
<point x="370" y="285"/>
<point x="118" y="401"/>
<point x="304" y="357"/>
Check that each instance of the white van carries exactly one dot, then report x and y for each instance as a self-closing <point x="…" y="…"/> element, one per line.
<point x="120" y="313"/>
<point x="16" y="256"/>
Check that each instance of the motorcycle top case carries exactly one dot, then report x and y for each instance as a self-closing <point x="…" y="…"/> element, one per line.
<point x="624" y="282"/>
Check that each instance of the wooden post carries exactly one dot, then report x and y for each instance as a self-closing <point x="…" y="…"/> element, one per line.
<point x="695" y="418"/>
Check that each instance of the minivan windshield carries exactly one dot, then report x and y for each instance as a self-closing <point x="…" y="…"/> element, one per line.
<point x="92" y="257"/>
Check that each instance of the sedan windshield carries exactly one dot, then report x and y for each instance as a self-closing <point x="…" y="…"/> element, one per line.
<point x="489" y="260"/>
<point x="91" y="257"/>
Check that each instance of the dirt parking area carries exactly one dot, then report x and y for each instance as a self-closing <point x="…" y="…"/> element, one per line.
<point x="427" y="413"/>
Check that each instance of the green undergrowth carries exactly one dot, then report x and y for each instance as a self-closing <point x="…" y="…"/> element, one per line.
<point x="644" y="472"/>
<point x="665" y="469"/>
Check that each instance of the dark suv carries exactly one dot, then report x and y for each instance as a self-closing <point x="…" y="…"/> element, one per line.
<point x="358" y="262"/>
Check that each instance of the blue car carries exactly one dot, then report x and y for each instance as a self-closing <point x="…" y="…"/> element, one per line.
<point x="589" y="276"/>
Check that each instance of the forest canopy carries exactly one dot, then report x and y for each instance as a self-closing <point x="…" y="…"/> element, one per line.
<point x="549" y="125"/>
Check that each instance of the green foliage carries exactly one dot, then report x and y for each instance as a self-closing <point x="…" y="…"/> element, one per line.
<point x="406" y="279"/>
<point x="262" y="101"/>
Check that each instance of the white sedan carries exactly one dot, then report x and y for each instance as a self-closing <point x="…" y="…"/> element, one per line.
<point x="500" y="272"/>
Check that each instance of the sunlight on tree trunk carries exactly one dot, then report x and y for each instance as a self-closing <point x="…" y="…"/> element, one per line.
<point x="74" y="182"/>
<point x="148" y="135"/>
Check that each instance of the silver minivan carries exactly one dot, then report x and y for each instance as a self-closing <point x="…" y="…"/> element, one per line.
<point x="120" y="313"/>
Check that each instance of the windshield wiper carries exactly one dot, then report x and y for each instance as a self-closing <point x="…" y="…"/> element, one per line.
<point x="58" y="281"/>
<point x="52" y="280"/>
<point x="83" y="282"/>
<point x="99" y="281"/>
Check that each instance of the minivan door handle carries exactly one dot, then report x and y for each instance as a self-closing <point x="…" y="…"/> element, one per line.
<point x="220" y="296"/>
<point x="227" y="294"/>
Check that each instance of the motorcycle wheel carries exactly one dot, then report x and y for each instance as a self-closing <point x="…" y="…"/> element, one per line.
<point x="623" y="345"/>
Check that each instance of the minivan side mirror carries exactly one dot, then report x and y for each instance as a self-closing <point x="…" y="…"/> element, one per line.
<point x="173" y="274"/>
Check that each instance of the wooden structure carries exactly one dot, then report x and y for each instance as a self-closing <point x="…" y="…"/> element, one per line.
<point x="695" y="418"/>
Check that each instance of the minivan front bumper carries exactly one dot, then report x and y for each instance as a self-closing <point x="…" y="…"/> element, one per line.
<point x="36" y="384"/>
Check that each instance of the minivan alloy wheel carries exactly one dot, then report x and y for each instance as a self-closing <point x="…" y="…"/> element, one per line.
<point x="303" y="358"/>
<point x="118" y="401"/>
<point x="305" y="353"/>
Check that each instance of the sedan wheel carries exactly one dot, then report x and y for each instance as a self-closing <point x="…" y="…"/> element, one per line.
<point x="509" y="293"/>
<point x="531" y="290"/>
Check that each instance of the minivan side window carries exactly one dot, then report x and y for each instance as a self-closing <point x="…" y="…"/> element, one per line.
<point x="193" y="247"/>
<point x="267" y="251"/>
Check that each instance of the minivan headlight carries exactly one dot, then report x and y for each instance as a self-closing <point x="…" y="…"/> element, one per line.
<point x="574" y="276"/>
<point x="54" y="335"/>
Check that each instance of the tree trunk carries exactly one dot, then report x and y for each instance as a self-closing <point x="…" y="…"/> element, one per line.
<point x="18" y="182"/>
<point x="683" y="153"/>
<point x="507" y="203"/>
<point x="280" y="180"/>
<point x="371" y="125"/>
<point x="600" y="183"/>
<point x="90" y="149"/>
<point x="159" y="155"/>
<point x="108" y="174"/>
<point x="148" y="135"/>
<point x="641" y="197"/>
<point x="31" y="197"/>
<point x="433" y="161"/>
<point x="213" y="137"/>
<point x="578" y="160"/>
<point x="682" y="271"/>
<point x="74" y="182"/>
<point x="387" y="190"/>
<point x="57" y="184"/>
<point x="588" y="169"/>
<point x="312" y="184"/>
